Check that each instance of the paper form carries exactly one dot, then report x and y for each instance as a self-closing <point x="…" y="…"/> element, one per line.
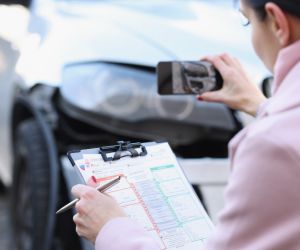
<point x="155" y="193"/>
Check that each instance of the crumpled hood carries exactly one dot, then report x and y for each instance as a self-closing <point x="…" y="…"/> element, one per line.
<point x="137" y="32"/>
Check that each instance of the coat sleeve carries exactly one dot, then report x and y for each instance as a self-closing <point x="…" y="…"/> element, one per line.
<point x="262" y="200"/>
<point x="125" y="234"/>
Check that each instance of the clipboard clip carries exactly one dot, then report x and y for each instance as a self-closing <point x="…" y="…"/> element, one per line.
<point x="123" y="149"/>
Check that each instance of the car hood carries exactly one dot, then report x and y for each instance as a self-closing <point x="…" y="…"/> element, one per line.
<point x="134" y="32"/>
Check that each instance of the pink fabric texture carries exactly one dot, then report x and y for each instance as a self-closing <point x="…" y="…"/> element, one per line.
<point x="123" y="233"/>
<point x="262" y="199"/>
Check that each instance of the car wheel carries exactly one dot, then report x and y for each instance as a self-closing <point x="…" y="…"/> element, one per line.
<point x="31" y="187"/>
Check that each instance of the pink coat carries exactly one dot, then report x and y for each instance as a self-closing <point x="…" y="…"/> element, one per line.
<point x="262" y="199"/>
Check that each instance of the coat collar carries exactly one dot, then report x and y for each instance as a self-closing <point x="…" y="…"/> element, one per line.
<point x="286" y="60"/>
<point x="285" y="89"/>
<point x="286" y="85"/>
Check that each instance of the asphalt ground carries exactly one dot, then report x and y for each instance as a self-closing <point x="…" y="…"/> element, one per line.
<point x="4" y="221"/>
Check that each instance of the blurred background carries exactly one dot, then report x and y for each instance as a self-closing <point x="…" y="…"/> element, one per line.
<point x="76" y="74"/>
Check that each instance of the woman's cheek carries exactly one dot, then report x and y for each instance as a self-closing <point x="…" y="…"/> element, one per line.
<point x="256" y="45"/>
<point x="263" y="52"/>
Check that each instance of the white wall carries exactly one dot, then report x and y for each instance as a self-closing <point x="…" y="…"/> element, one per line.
<point x="8" y="58"/>
<point x="13" y="28"/>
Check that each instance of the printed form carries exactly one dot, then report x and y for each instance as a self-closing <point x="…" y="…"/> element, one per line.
<point x="155" y="193"/>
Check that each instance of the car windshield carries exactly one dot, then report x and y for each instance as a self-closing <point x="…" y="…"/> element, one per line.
<point x="148" y="1"/>
<point x="107" y="0"/>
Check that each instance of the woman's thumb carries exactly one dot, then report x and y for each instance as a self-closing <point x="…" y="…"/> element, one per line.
<point x="212" y="96"/>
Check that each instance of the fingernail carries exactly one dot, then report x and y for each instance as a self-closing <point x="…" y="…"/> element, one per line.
<point x="74" y="189"/>
<point x="200" y="98"/>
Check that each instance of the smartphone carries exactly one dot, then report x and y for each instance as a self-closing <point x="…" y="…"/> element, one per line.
<point x="187" y="78"/>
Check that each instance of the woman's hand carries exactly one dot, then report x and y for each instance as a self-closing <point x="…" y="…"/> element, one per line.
<point x="94" y="210"/>
<point x="238" y="91"/>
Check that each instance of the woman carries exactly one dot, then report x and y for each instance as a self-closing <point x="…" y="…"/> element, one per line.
<point x="262" y="199"/>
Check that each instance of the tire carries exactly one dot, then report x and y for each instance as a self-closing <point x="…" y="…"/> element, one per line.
<point x="31" y="188"/>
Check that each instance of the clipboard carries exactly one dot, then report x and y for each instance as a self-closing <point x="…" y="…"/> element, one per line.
<point x="154" y="191"/>
<point x="118" y="151"/>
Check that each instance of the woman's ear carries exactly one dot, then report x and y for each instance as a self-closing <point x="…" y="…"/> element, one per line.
<point x="279" y="24"/>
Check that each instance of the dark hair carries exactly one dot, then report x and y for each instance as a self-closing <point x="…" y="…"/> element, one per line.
<point x="260" y="12"/>
<point x="290" y="6"/>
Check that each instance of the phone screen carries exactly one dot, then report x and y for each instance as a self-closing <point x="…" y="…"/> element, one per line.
<point x="165" y="79"/>
<point x="187" y="78"/>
